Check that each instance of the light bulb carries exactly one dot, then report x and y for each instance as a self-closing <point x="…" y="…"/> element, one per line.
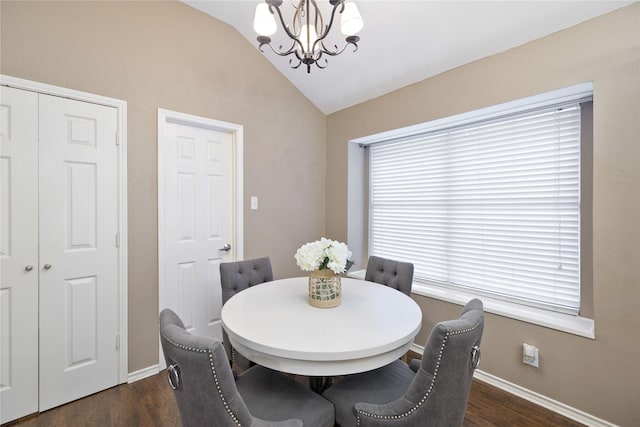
<point x="264" y="22"/>
<point x="308" y="46"/>
<point x="351" y="21"/>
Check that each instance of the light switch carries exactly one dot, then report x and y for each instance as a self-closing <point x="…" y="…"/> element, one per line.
<point x="254" y="203"/>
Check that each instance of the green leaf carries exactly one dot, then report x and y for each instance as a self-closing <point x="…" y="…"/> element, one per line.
<point x="349" y="265"/>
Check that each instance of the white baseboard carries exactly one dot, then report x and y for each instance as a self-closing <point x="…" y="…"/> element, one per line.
<point x="532" y="396"/>
<point x="142" y="373"/>
<point x="417" y="349"/>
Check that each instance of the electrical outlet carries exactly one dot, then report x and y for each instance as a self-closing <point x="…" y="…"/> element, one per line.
<point x="530" y="355"/>
<point x="254" y="202"/>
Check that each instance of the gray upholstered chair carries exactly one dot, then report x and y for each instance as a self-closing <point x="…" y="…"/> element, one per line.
<point x="235" y="277"/>
<point x="433" y="393"/>
<point x="395" y="274"/>
<point x="208" y="395"/>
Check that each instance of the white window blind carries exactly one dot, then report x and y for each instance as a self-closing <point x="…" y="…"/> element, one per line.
<point x="492" y="208"/>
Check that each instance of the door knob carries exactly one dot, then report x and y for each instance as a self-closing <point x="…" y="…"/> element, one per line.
<point x="225" y="248"/>
<point x="47" y="266"/>
<point x="28" y="267"/>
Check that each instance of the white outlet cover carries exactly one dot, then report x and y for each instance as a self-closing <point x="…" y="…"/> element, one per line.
<point x="530" y="355"/>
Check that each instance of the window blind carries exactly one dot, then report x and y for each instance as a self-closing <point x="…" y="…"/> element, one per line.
<point x="492" y="208"/>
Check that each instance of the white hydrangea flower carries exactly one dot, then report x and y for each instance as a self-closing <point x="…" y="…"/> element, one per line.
<point x="310" y="256"/>
<point x="324" y="253"/>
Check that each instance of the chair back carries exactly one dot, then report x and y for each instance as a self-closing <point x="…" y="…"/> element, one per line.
<point x="201" y="377"/>
<point x="237" y="276"/>
<point x="395" y="274"/>
<point x="439" y="392"/>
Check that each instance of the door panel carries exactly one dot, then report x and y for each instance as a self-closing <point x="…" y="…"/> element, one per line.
<point x="197" y="211"/>
<point x="78" y="253"/>
<point x="18" y="252"/>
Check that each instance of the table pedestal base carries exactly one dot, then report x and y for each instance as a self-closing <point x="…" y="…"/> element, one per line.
<point x="320" y="384"/>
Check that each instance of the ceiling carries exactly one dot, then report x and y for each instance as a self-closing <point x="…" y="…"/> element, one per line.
<point x="403" y="42"/>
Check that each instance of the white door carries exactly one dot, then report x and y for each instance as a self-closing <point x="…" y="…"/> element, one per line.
<point x="196" y="221"/>
<point x="18" y="254"/>
<point x="78" y="155"/>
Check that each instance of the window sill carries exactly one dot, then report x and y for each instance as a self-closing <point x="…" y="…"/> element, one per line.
<point x="575" y="325"/>
<point x="562" y="322"/>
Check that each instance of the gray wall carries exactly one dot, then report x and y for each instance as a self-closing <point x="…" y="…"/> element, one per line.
<point x="169" y="55"/>
<point x="598" y="376"/>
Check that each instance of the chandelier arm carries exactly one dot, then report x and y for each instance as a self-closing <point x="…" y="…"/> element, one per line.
<point x="278" y="51"/>
<point x="322" y="67"/>
<point x="295" y="66"/>
<point x="327" y="28"/>
<point x="319" y="21"/>
<point x="285" y="27"/>
<point x="317" y="61"/>
<point x="338" y="52"/>
<point x="298" y="56"/>
<point x="296" y="22"/>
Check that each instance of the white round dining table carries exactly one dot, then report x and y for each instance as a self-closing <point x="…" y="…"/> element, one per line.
<point x="273" y="325"/>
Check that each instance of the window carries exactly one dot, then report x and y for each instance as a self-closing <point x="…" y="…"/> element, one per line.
<point x="487" y="203"/>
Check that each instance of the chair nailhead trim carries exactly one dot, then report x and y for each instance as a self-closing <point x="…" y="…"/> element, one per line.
<point x="215" y="379"/>
<point x="429" y="389"/>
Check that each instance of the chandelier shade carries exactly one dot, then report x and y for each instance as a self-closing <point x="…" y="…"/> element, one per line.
<point x="264" y="22"/>
<point x="307" y="30"/>
<point x="351" y="21"/>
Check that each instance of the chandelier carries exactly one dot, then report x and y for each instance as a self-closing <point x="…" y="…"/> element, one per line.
<point x="308" y="30"/>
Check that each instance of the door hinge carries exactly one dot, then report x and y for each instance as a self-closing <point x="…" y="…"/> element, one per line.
<point x="117" y="137"/>
<point x="118" y="342"/>
<point x="117" y="240"/>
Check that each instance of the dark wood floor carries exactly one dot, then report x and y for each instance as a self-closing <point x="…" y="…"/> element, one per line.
<point x="150" y="402"/>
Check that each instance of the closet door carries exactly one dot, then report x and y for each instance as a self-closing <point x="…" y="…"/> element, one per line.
<point x="18" y="254"/>
<point x="78" y="155"/>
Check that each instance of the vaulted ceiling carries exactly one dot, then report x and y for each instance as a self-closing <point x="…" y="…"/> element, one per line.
<point x="403" y="42"/>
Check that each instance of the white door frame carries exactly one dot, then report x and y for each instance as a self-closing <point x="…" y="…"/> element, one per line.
<point x="168" y="116"/>
<point x="121" y="108"/>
